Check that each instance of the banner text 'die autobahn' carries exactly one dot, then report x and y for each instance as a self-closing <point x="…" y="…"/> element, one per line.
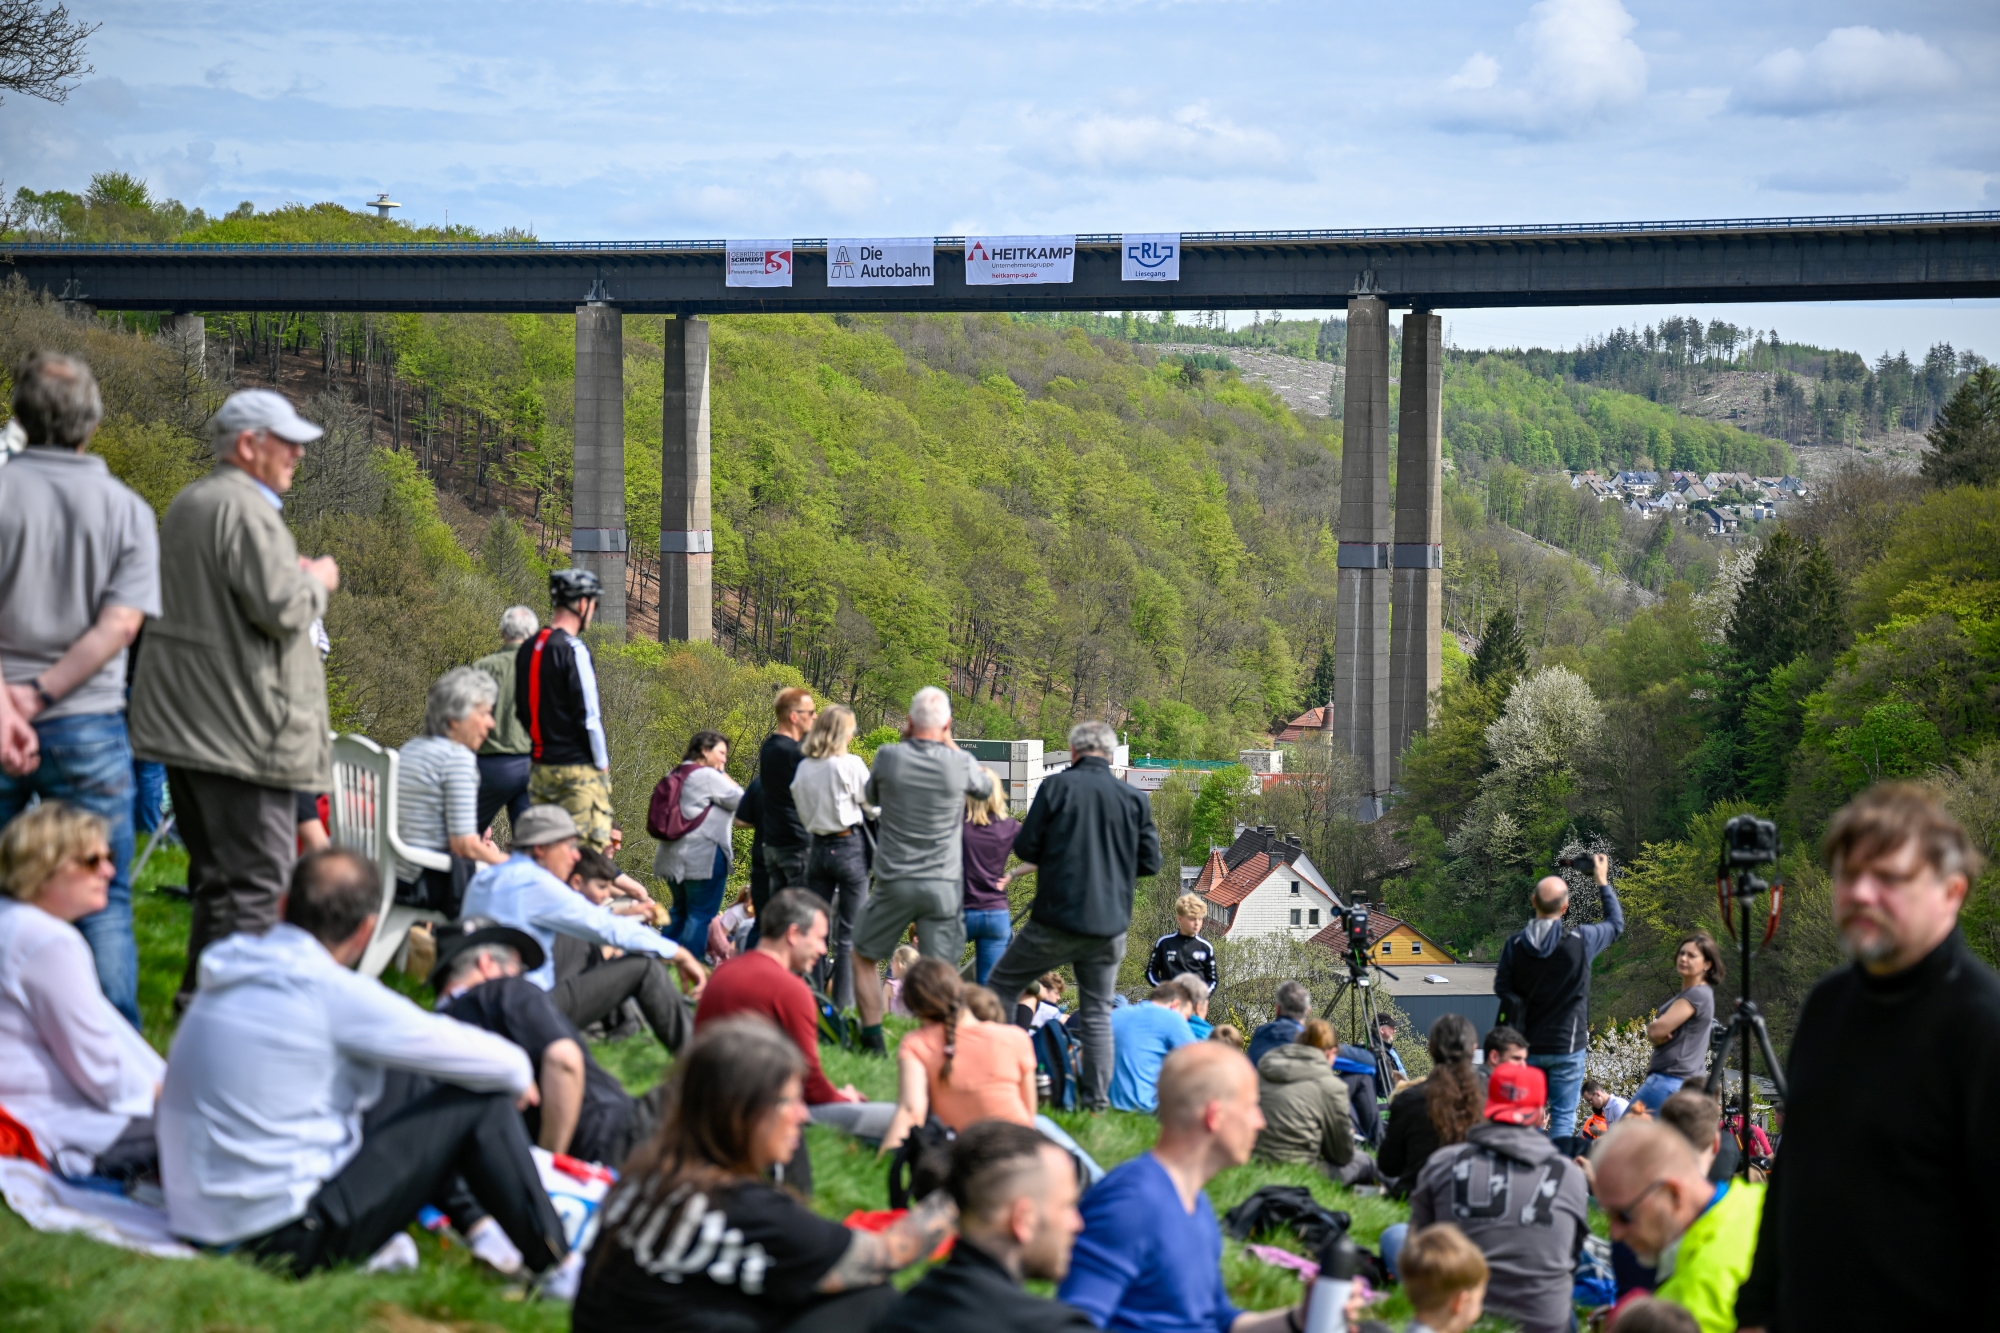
<point x="990" y="261"/>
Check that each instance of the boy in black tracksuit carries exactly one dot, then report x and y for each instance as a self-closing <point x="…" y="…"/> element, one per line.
<point x="1185" y="950"/>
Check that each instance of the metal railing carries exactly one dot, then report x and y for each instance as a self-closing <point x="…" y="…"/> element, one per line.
<point x="527" y="249"/>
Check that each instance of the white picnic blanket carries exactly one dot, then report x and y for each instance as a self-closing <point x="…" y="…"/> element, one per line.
<point x="48" y="1203"/>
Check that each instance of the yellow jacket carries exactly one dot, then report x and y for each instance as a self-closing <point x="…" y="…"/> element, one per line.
<point x="1703" y="1270"/>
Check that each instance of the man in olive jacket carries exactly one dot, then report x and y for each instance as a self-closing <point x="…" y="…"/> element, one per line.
<point x="231" y="693"/>
<point x="1091" y="838"/>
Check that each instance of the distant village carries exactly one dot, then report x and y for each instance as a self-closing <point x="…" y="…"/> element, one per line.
<point x="1723" y="502"/>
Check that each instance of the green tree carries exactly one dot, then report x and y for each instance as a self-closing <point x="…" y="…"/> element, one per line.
<point x="1213" y="820"/>
<point x="1502" y="656"/>
<point x="1791" y="605"/>
<point x="1322" y="681"/>
<point x="1965" y="438"/>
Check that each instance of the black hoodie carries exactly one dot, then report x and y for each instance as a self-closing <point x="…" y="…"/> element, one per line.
<point x="1543" y="980"/>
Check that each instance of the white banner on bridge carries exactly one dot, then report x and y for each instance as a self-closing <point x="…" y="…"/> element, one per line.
<point x="1006" y="261"/>
<point x="1150" y="256"/>
<point x="881" y="261"/>
<point x="759" y="263"/>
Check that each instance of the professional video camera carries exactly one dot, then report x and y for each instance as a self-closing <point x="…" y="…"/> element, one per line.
<point x="1748" y="844"/>
<point x="1749" y="841"/>
<point x="1355" y="918"/>
<point x="1359" y="989"/>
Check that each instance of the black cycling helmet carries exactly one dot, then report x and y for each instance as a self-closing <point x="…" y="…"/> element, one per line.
<point x="567" y="587"/>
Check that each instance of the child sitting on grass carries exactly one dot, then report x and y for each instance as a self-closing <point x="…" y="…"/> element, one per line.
<point x="1445" y="1276"/>
<point x="892" y="989"/>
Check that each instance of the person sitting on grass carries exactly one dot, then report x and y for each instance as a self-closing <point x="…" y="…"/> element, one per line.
<point x="1149" y="1259"/>
<point x="530" y="891"/>
<point x="1605" y="1103"/>
<point x="1017" y="1220"/>
<point x="1289" y="1019"/>
<point x="1700" y="1235"/>
<point x="1306" y="1115"/>
<point x="1698" y="1118"/>
<point x="71" y="1068"/>
<point x="1444" y="1275"/>
<point x="1185" y="950"/>
<point x="1530" y="1244"/>
<point x="299" y="1122"/>
<point x="899" y="968"/>
<point x="584" y="1111"/>
<point x="1647" y="1315"/>
<point x="1437" y="1110"/>
<point x="611" y="1008"/>
<point x="1198" y="992"/>
<point x="695" y="1238"/>
<point x="1142" y="1035"/>
<point x="954" y="1066"/>
<point x="1041" y="1002"/>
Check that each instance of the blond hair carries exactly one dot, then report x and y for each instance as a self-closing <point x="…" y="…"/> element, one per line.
<point x="1191" y="906"/>
<point x="1318" y="1033"/>
<point x="1436" y="1264"/>
<point x="831" y="731"/>
<point x="983" y="810"/>
<point x="905" y="955"/>
<point x="41" y="842"/>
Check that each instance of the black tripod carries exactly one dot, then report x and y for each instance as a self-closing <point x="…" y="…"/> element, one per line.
<point x="1360" y="993"/>
<point x="1747" y="1020"/>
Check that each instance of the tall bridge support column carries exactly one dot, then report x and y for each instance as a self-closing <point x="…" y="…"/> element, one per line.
<point x="687" y="540"/>
<point x="1416" y="559"/>
<point x="1361" y="617"/>
<point x="189" y="334"/>
<point x="597" y="507"/>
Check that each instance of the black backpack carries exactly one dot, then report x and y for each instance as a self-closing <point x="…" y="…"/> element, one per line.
<point x="921" y="1164"/>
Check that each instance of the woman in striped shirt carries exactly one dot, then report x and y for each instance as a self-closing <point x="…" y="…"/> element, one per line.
<point x="437" y="790"/>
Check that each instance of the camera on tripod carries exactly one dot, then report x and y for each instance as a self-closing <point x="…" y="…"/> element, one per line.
<point x="1355" y="918"/>
<point x="1748" y="841"/>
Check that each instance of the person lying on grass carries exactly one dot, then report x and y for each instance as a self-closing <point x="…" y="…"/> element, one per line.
<point x="694" y="1237"/>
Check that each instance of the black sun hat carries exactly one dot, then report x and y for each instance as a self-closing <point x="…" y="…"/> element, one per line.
<point x="455" y="937"/>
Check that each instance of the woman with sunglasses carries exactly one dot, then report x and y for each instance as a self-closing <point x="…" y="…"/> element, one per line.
<point x="71" y="1068"/>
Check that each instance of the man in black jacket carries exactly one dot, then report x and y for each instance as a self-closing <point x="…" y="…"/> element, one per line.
<point x="1091" y="837"/>
<point x="1865" y="1157"/>
<point x="1543" y="982"/>
<point x="555" y="698"/>
<point x="1017" y="1219"/>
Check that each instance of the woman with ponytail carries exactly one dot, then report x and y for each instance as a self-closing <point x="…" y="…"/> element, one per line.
<point x="1435" y="1112"/>
<point x="957" y="1067"/>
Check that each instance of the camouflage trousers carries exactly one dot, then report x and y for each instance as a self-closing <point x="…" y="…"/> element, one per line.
<point x="581" y="789"/>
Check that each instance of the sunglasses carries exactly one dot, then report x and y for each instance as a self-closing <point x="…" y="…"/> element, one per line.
<point x="1623" y="1216"/>
<point x="97" y="861"/>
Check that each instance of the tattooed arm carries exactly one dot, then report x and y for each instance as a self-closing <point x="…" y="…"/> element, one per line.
<point x="873" y="1258"/>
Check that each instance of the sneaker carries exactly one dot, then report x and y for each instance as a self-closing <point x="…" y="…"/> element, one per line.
<point x="398" y="1256"/>
<point x="490" y="1245"/>
<point x="560" y="1283"/>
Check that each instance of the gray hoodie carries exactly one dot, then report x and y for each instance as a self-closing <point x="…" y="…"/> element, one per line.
<point x="1524" y="1204"/>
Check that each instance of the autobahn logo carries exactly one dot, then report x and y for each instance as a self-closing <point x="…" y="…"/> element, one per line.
<point x="1151" y="257"/>
<point x="759" y="263"/>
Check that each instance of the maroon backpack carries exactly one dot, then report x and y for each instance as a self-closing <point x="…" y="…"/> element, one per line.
<point x="663" y="814"/>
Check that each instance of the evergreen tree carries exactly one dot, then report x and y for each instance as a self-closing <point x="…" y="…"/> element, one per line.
<point x="1501" y="652"/>
<point x="1322" y="684"/>
<point x="1790" y="606"/>
<point x="1965" y="438"/>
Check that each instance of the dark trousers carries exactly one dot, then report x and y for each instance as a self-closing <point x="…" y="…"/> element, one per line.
<point x="411" y="1156"/>
<point x="595" y="993"/>
<point x="503" y="785"/>
<point x="242" y="840"/>
<point x="1038" y="949"/>
<point x="837" y="870"/>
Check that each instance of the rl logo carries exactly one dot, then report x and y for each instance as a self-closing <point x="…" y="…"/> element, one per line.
<point x="1150" y="254"/>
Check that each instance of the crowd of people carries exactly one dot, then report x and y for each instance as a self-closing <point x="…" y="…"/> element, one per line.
<point x="306" y="1112"/>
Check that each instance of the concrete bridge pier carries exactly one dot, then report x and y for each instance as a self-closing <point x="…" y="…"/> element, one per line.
<point x="1416" y="559"/>
<point x="1360" y="718"/>
<point x="597" y="507"/>
<point x="687" y="541"/>
<point x="190" y="333"/>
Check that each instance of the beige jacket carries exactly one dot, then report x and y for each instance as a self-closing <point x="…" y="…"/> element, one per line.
<point x="229" y="680"/>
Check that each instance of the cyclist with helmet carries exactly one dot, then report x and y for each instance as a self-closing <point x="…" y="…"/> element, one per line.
<point x="555" y="697"/>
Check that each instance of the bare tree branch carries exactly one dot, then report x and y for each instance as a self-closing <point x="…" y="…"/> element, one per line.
<point x="41" y="51"/>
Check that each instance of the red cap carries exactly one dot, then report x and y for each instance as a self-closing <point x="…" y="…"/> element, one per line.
<point x="1516" y="1094"/>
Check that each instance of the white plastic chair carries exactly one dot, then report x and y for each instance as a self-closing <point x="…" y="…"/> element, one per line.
<point x="362" y="808"/>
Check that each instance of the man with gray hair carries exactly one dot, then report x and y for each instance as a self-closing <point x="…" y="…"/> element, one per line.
<point x="504" y="759"/>
<point x="231" y="689"/>
<point x="1091" y="838"/>
<point x="921" y="784"/>
<point x="79" y="573"/>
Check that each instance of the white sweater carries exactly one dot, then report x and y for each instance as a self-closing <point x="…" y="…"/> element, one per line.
<point x="71" y="1068"/>
<point x="693" y="857"/>
<point x="278" y="1058"/>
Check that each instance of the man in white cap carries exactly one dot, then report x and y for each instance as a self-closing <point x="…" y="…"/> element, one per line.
<point x="230" y="692"/>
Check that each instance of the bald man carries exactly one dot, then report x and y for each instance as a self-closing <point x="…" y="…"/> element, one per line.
<point x="1543" y="982"/>
<point x="1699" y="1234"/>
<point x="1150" y="1256"/>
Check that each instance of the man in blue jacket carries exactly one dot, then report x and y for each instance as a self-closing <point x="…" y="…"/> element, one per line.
<point x="1543" y="982"/>
<point x="1091" y="837"/>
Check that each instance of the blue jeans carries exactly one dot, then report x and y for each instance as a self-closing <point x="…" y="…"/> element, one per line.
<point x="1656" y="1089"/>
<point x="1565" y="1090"/>
<point x="149" y="795"/>
<point x="696" y="903"/>
<point x="87" y="763"/>
<point x="1391" y="1245"/>
<point x="989" y="930"/>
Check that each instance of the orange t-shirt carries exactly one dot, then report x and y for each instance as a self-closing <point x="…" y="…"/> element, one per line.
<point x="989" y="1063"/>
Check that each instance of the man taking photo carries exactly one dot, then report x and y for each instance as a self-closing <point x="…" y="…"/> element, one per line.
<point x="1891" y="1152"/>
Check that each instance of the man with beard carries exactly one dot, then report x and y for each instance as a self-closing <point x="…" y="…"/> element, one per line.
<point x="1888" y="1156"/>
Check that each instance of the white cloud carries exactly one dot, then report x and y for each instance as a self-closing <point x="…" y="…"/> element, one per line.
<point x="845" y="192"/>
<point x="1193" y="142"/>
<point x="1852" y="67"/>
<point x="1853" y="180"/>
<point x="1583" y="67"/>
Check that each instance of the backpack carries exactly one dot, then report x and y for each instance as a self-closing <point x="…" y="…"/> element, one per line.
<point x="834" y="1029"/>
<point x="663" y="814"/>
<point x="1056" y="1059"/>
<point x="921" y="1164"/>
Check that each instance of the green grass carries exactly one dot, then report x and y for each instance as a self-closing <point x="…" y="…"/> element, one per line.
<point x="65" y="1284"/>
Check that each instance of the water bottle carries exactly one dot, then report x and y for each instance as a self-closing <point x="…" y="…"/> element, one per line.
<point x="1339" y="1263"/>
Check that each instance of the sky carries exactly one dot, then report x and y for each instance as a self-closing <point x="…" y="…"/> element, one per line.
<point x="622" y="119"/>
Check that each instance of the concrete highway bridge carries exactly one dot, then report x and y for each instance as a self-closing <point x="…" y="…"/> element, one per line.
<point x="1389" y="627"/>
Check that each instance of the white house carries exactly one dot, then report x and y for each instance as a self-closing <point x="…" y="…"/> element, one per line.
<point x="1262" y="884"/>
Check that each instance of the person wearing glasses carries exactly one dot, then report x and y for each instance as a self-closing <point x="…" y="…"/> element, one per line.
<point x="787" y="843"/>
<point x="1656" y="1194"/>
<point x="71" y="1068"/>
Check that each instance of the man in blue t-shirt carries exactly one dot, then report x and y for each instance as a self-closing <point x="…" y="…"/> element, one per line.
<point x="1142" y="1035"/>
<point x="1150" y="1256"/>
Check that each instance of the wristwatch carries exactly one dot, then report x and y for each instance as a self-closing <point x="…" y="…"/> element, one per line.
<point x="48" y="700"/>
